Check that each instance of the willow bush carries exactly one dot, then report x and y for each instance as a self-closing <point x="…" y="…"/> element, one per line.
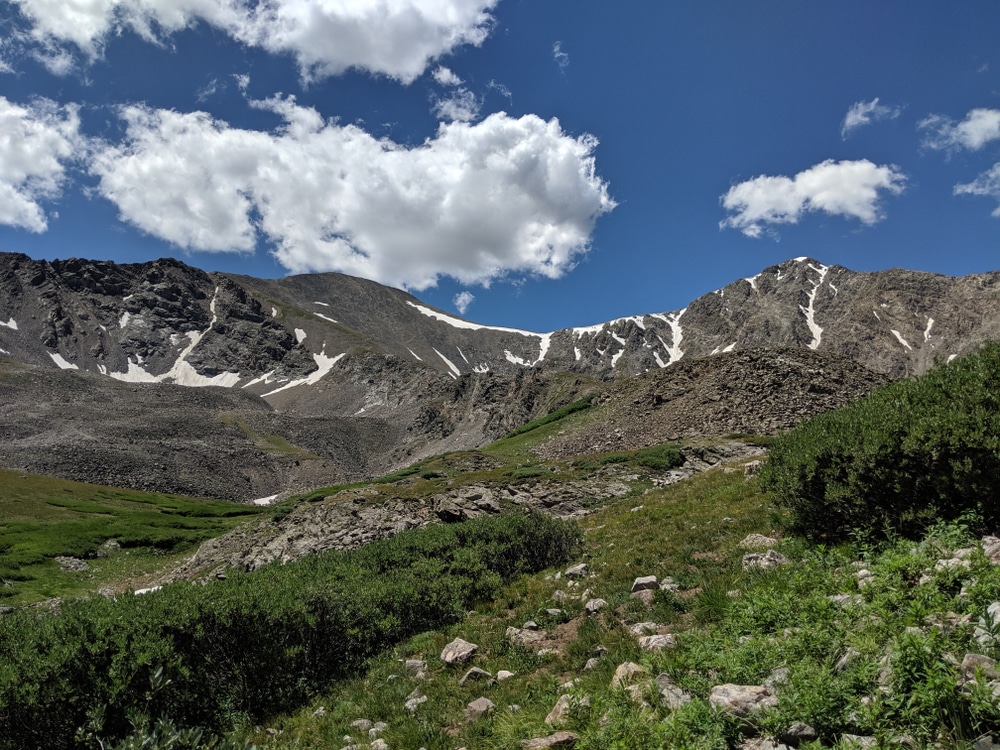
<point x="240" y="649"/>
<point x="908" y="455"/>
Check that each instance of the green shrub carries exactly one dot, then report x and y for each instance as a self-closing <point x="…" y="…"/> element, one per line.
<point x="657" y="457"/>
<point x="527" y="472"/>
<point x="240" y="649"/>
<point x="905" y="457"/>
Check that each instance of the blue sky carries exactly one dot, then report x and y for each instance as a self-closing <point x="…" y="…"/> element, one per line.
<point x="529" y="163"/>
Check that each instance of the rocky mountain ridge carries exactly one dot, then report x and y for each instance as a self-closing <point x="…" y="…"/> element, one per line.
<point x="165" y="321"/>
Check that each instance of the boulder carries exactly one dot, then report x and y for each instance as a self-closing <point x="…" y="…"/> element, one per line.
<point x="627" y="673"/>
<point x="478" y="708"/>
<point x="671" y="696"/>
<point x="798" y="733"/>
<point x="645" y="583"/>
<point x="646" y="596"/>
<point x="475" y="674"/>
<point x="414" y="699"/>
<point x="523" y="637"/>
<point x="742" y="700"/>
<point x="657" y="642"/>
<point x="578" y="571"/>
<point x="764" y="560"/>
<point x="593" y="606"/>
<point x="458" y="652"/>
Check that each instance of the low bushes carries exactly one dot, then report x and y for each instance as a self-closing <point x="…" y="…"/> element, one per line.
<point x="908" y="455"/>
<point x="256" y="643"/>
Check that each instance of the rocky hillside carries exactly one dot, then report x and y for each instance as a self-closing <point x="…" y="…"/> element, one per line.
<point x="231" y="444"/>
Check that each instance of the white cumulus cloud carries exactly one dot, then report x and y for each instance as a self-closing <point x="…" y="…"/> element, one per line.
<point x="461" y="105"/>
<point x="846" y="188"/>
<point x="979" y="127"/>
<point x="397" y="38"/>
<point x="475" y="202"/>
<point x="446" y="76"/>
<point x="987" y="184"/>
<point x="860" y="114"/>
<point x="463" y="300"/>
<point x="36" y="143"/>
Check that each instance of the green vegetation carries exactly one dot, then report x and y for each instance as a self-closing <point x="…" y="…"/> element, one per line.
<point x="909" y="455"/>
<point x="241" y="648"/>
<point x="42" y="518"/>
<point x="657" y="457"/>
<point x="265" y="441"/>
<point x="555" y="416"/>
<point x="903" y="635"/>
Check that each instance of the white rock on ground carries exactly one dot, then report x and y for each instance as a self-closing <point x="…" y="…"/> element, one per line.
<point x="644" y="583"/>
<point x="478" y="708"/>
<point x="742" y="700"/>
<point x="764" y="560"/>
<point x="458" y="651"/>
<point x="657" y="642"/>
<point x="627" y="673"/>
<point x="557" y="740"/>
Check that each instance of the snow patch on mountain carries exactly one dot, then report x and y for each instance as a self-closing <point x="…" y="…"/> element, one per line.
<point x="324" y="304"/>
<point x="900" y="339"/>
<point x="810" y="310"/>
<point x="62" y="363"/>
<point x="514" y="359"/>
<point x="455" y="372"/>
<point x="182" y="373"/>
<point x="11" y="324"/>
<point x="324" y="364"/>
<point x="265" y="379"/>
<point x="459" y="323"/>
<point x="414" y="354"/>
<point x="325" y="317"/>
<point x="300" y="335"/>
<point x="676" y="335"/>
<point x="927" y="330"/>
<point x="543" y="346"/>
